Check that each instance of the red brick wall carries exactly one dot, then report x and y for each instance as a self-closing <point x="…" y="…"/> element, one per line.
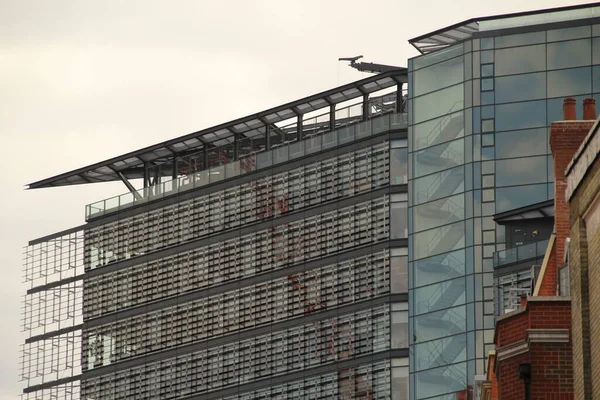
<point x="551" y="363"/>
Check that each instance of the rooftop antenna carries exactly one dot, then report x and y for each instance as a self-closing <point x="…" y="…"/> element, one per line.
<point x="368" y="67"/>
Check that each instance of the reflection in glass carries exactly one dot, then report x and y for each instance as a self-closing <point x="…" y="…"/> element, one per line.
<point x="399" y="275"/>
<point x="439" y="130"/>
<point x="438" y="212"/>
<point x="441" y="184"/>
<point x="439" y="240"/>
<point x="521" y="87"/>
<point x="398" y="220"/>
<point x="521" y="171"/>
<point x="520" y="115"/>
<point x="438" y="76"/>
<point x="569" y="33"/>
<point x="596" y="51"/>
<point x="441" y="352"/>
<point x="438" y="158"/>
<point x="438" y="103"/>
<point x="398" y="166"/>
<point x="439" y="296"/>
<point x="528" y="142"/>
<point x="573" y="53"/>
<point x="569" y="82"/>
<point x="519" y="60"/>
<point x="443" y="380"/>
<point x="438" y="268"/>
<point x="509" y="198"/>
<point x="399" y="329"/>
<point x="438" y="56"/>
<point x="520" y="39"/>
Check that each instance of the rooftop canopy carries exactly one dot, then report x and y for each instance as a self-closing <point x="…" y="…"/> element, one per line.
<point x="132" y="165"/>
<point x="464" y="30"/>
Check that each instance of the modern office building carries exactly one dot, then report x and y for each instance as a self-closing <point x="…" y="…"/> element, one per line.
<point x="263" y="258"/>
<point x="481" y="98"/>
<point x="272" y="256"/>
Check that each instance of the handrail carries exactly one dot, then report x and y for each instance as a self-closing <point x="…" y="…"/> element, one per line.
<point x="520" y="253"/>
<point x="375" y="124"/>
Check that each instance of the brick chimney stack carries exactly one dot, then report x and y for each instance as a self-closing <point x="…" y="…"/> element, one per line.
<point x="565" y="138"/>
<point x="589" y="109"/>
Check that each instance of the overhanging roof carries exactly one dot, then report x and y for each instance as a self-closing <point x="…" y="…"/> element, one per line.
<point x="452" y="34"/>
<point x="131" y="165"/>
<point x="544" y="209"/>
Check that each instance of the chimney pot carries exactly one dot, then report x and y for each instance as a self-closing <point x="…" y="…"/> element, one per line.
<point x="589" y="109"/>
<point x="569" y="109"/>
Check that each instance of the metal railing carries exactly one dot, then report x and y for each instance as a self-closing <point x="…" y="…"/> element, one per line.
<point x="520" y="253"/>
<point x="257" y="161"/>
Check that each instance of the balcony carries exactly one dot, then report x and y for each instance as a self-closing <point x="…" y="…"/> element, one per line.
<point x="520" y="254"/>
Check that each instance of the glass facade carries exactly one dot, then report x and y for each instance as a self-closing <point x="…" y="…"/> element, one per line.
<point x="478" y="145"/>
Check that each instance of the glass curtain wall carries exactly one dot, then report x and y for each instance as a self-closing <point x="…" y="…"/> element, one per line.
<point x="479" y="118"/>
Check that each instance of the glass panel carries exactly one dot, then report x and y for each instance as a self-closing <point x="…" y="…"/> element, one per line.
<point x="521" y="171"/>
<point x="439" y="296"/>
<point x="529" y="142"/>
<point x="398" y="166"/>
<point x="487" y="70"/>
<point x="520" y="60"/>
<point x="439" y="240"/>
<point x="441" y="352"/>
<point x="398" y="220"/>
<point x="520" y="39"/>
<point x="438" y="56"/>
<point x="441" y="184"/>
<point x="510" y="198"/>
<point x="439" y="324"/>
<point x="438" y="76"/>
<point x="399" y="329"/>
<point x="438" y="268"/>
<point x="438" y="158"/>
<point x="569" y="82"/>
<point x="573" y="53"/>
<point x="399" y="275"/>
<point x="569" y="33"/>
<point x="439" y="103"/>
<point x="439" y="130"/>
<point x="487" y="56"/>
<point x="596" y="51"/>
<point x="438" y="212"/>
<point x="521" y="87"/>
<point x="521" y="115"/>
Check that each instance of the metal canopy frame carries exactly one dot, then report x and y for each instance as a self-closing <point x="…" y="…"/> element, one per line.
<point x="456" y="33"/>
<point x="133" y="165"/>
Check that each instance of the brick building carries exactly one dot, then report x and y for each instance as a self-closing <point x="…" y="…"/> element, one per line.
<point x="582" y="194"/>
<point x="534" y="354"/>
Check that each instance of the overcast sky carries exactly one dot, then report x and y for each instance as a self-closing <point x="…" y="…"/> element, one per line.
<point x="82" y="81"/>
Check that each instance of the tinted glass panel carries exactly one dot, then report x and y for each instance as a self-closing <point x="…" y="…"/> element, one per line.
<point x="521" y="171"/>
<point x="521" y="87"/>
<point x="573" y="53"/>
<point x="439" y="103"/>
<point x="438" y="56"/>
<point x="569" y="33"/>
<point x="520" y="39"/>
<point x="440" y="381"/>
<point x="438" y="212"/>
<point x="433" y="326"/>
<point x="438" y="268"/>
<point x="398" y="166"/>
<point x="569" y="82"/>
<point x="439" y="130"/>
<point x="529" y="142"/>
<point x="438" y="76"/>
<point x="596" y="79"/>
<point x="437" y="158"/>
<point x="555" y="107"/>
<point x="399" y="275"/>
<point x="425" y="353"/>
<point x="398" y="220"/>
<point x="596" y="51"/>
<point x="439" y="240"/>
<point x="441" y="184"/>
<point x="521" y="115"/>
<point x="520" y="196"/>
<point x="520" y="59"/>
<point x="440" y="295"/>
